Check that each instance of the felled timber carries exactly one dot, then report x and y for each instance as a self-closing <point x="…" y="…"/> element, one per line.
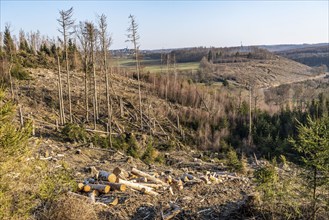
<point x="111" y="177"/>
<point x="120" y="173"/>
<point x="99" y="187"/>
<point x="80" y="186"/>
<point x="118" y="187"/>
<point x="109" y="200"/>
<point x="139" y="180"/>
<point x="139" y="187"/>
<point x="149" y="177"/>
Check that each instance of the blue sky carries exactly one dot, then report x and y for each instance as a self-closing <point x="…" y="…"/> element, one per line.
<point x="172" y="24"/>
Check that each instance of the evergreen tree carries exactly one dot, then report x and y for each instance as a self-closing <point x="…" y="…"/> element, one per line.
<point x="313" y="143"/>
<point x="9" y="45"/>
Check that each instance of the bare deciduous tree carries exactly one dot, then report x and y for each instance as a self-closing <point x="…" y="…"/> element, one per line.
<point x="133" y="37"/>
<point x="66" y="24"/>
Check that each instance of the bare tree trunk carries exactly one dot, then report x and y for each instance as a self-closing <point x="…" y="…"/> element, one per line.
<point x="68" y="80"/>
<point x="167" y="78"/>
<point x="95" y="93"/>
<point x="60" y="94"/>
<point x="86" y="91"/>
<point x="250" y="119"/>
<point x="94" y="113"/>
<point x="139" y="86"/>
<point x="66" y="24"/>
<point x="133" y="37"/>
<point x="95" y="87"/>
<point x="175" y="79"/>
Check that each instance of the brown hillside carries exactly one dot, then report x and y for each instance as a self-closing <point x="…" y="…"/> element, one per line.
<point x="261" y="73"/>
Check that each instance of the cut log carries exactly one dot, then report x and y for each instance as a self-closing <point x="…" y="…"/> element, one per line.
<point x="111" y="177"/>
<point x="89" y="180"/>
<point x="139" y="180"/>
<point x="152" y="185"/>
<point x="114" y="202"/>
<point x="149" y="177"/>
<point x="118" y="187"/>
<point x="88" y="199"/>
<point x="139" y="187"/>
<point x="120" y="173"/>
<point x="115" y="186"/>
<point x="109" y="200"/>
<point x="100" y="187"/>
<point x="80" y="186"/>
<point x="86" y="188"/>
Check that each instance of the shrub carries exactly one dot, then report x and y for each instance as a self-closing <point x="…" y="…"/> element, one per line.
<point x="20" y="73"/>
<point x="25" y="181"/>
<point x="150" y="154"/>
<point x="233" y="161"/>
<point x="100" y="141"/>
<point x="74" y="133"/>
<point x="133" y="147"/>
<point x="55" y="184"/>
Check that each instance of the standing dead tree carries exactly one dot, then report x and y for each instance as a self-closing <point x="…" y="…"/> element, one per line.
<point x="133" y="37"/>
<point x="66" y="24"/>
<point x="83" y="38"/>
<point x="105" y="41"/>
<point x="91" y="35"/>
<point x="60" y="90"/>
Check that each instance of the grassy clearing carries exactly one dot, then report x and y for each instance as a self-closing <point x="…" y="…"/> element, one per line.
<point x="154" y="66"/>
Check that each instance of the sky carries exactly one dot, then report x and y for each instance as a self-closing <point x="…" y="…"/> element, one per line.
<point x="176" y="24"/>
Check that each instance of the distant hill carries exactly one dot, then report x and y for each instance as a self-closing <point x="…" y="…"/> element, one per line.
<point x="284" y="47"/>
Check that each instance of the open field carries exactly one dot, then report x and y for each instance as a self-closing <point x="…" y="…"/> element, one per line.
<point x="154" y="66"/>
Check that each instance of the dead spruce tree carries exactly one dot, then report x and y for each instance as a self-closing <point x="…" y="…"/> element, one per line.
<point x="83" y="38"/>
<point x="105" y="42"/>
<point x="91" y="35"/>
<point x="60" y="90"/>
<point x="66" y="24"/>
<point x="133" y="37"/>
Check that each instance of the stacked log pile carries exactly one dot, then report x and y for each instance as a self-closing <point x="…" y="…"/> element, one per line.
<point x="105" y="187"/>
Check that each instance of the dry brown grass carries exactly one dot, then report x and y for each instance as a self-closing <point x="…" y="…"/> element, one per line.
<point x="69" y="208"/>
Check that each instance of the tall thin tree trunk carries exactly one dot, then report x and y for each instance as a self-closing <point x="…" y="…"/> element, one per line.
<point x="175" y="79"/>
<point x="95" y="84"/>
<point x="94" y="113"/>
<point x="250" y="119"/>
<point x="60" y="94"/>
<point x="139" y="85"/>
<point x="95" y="93"/>
<point x="68" y="77"/>
<point x="167" y="78"/>
<point x="86" y="90"/>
